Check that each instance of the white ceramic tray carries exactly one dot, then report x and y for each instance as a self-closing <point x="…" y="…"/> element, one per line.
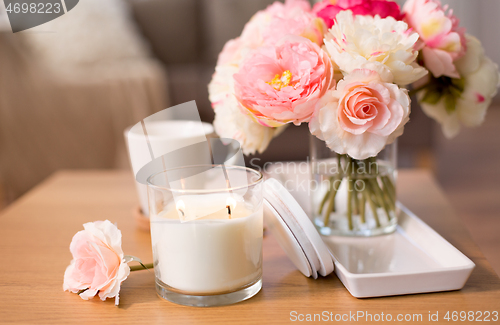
<point x="414" y="259"/>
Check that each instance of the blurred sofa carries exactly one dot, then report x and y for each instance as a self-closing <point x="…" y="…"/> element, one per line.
<point x="68" y="90"/>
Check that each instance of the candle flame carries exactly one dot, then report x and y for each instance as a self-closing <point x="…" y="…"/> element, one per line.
<point x="231" y="203"/>
<point x="181" y="207"/>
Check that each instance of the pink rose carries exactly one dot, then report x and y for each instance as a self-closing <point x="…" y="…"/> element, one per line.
<point x="441" y="40"/>
<point x="97" y="265"/>
<point x="328" y="9"/>
<point x="281" y="84"/>
<point x="362" y="115"/>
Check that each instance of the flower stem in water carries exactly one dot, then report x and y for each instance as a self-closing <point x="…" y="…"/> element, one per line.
<point x="327" y="195"/>
<point x="362" y="206"/>
<point x="331" y="203"/>
<point x="366" y="194"/>
<point x="350" y="166"/>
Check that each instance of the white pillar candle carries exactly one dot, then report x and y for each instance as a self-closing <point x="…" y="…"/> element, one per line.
<point x="164" y="137"/>
<point x="213" y="254"/>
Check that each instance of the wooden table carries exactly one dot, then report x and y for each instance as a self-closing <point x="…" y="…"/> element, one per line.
<point x="35" y="233"/>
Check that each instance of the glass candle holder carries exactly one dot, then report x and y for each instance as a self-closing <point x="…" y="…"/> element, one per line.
<point x="206" y="233"/>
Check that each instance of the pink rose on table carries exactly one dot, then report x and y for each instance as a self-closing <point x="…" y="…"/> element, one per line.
<point x="328" y="9"/>
<point x="98" y="266"/>
<point x="441" y="39"/>
<point x="280" y="84"/>
<point x="362" y="115"/>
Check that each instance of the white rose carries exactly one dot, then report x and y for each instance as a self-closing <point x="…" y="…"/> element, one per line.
<point x="231" y="123"/>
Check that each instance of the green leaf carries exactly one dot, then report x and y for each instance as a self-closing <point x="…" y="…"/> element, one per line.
<point x="431" y="97"/>
<point x="450" y="103"/>
<point x="459" y="84"/>
<point x="455" y="92"/>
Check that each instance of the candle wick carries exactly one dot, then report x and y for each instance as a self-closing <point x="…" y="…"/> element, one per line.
<point x="180" y="210"/>
<point x="229" y="210"/>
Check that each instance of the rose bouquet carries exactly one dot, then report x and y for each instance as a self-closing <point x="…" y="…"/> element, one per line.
<point x="342" y="66"/>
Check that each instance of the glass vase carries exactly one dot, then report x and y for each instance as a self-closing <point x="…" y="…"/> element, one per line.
<point x="353" y="197"/>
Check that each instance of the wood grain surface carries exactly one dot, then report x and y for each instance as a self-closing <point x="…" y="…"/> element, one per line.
<point x="36" y="230"/>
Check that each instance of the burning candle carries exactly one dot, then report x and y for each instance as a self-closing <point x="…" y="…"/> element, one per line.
<point x="215" y="253"/>
<point x="208" y="244"/>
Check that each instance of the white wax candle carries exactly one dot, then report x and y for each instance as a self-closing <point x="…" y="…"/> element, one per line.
<point x="164" y="137"/>
<point x="210" y="255"/>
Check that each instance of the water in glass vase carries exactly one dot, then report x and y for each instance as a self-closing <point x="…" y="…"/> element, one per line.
<point x="354" y="197"/>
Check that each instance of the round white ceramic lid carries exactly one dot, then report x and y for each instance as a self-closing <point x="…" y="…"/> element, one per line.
<point x="295" y="232"/>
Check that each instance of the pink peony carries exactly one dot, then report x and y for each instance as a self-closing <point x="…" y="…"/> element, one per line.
<point x="362" y="115"/>
<point x="266" y="28"/>
<point x="328" y="9"/>
<point x="441" y="39"/>
<point x="279" y="19"/>
<point x="294" y="17"/>
<point x="281" y="84"/>
<point x="97" y="265"/>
